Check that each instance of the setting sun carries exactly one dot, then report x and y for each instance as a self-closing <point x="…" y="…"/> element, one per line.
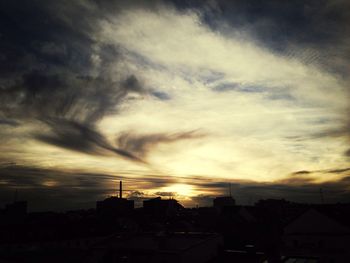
<point x="181" y="190"/>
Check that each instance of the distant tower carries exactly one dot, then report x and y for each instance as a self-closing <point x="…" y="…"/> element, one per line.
<point x="115" y="205"/>
<point x="224" y="201"/>
<point x="120" y="189"/>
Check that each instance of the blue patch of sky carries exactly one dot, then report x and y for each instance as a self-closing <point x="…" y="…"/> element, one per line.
<point x="268" y="94"/>
<point x="274" y="24"/>
<point x="144" y="61"/>
<point x="211" y="77"/>
<point x="281" y="96"/>
<point x="238" y="87"/>
<point x="161" y="95"/>
<point x="187" y="77"/>
<point x="322" y="120"/>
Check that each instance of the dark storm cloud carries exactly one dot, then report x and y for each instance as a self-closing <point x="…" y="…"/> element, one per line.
<point x="9" y="122"/>
<point x="45" y="46"/>
<point x="79" y="137"/>
<point x="47" y="67"/>
<point x="141" y="145"/>
<point x="48" y="71"/>
<point x="278" y="24"/>
<point x="85" y="99"/>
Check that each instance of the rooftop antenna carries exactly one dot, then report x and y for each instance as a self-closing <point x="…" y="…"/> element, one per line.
<point x="120" y="189"/>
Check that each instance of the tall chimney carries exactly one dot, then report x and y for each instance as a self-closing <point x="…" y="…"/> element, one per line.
<point x="120" y="189"/>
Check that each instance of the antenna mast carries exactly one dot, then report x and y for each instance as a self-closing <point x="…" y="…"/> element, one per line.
<point x="120" y="189"/>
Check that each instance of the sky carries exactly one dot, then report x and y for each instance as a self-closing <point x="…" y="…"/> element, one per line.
<point x="175" y="98"/>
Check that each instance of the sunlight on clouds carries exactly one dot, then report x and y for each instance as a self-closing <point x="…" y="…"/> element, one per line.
<point x="260" y="126"/>
<point x="260" y="114"/>
<point x="180" y="189"/>
<point x="181" y="43"/>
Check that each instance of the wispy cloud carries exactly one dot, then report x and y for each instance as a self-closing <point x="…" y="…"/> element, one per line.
<point x="141" y="145"/>
<point x="79" y="137"/>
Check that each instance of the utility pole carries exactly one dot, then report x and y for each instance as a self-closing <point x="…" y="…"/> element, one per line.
<point x="120" y="189"/>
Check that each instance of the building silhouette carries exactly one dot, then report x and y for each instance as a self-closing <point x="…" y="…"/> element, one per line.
<point x="115" y="205"/>
<point x="159" y="206"/>
<point x="320" y="234"/>
<point x="157" y="248"/>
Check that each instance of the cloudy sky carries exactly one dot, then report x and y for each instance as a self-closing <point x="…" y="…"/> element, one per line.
<point x="174" y="98"/>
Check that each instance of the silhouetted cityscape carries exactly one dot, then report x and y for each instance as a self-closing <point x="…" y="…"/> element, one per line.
<point x="271" y="230"/>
